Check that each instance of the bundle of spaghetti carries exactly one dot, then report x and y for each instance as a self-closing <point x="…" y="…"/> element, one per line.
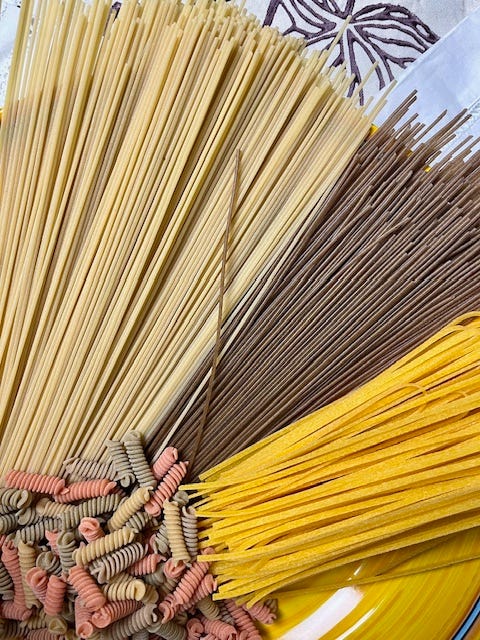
<point x="392" y="464"/>
<point x="116" y="166"/>
<point x="391" y="256"/>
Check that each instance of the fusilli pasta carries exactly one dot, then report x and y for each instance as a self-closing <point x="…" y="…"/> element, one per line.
<point x="133" y="442"/>
<point x="107" y="566"/>
<point x="121" y="463"/>
<point x="175" y="532"/>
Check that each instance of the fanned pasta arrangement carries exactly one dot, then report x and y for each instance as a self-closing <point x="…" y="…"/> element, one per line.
<point x="207" y="253"/>
<point x="114" y="203"/>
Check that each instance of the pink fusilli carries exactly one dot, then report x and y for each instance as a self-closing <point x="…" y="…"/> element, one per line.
<point x="166" y="488"/>
<point x="85" y="489"/>
<point x="36" y="482"/>
<point x="164" y="462"/>
<point x="87" y="588"/>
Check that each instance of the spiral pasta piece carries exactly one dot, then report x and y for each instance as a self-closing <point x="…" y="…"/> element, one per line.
<point x="107" y="566"/>
<point x="156" y="578"/>
<point x="194" y="629"/>
<point x="166" y="488"/>
<point x="85" y="489"/>
<point x="208" y="608"/>
<point x="50" y="508"/>
<point x="6" y="584"/>
<point x="42" y="634"/>
<point x="272" y="604"/>
<point x="137" y="621"/>
<point x="57" y="625"/>
<point x="84" y="469"/>
<point x="219" y="629"/>
<point x="28" y="515"/>
<point x="181" y="497"/>
<point x="10" y="629"/>
<point x="146" y="565"/>
<point x="262" y="612"/>
<point x="125" y="587"/>
<point x="89" y="508"/>
<point x="91" y="529"/>
<point x="133" y="442"/>
<point x="35" y="482"/>
<point x="113" y="611"/>
<point x="8" y="522"/>
<point x="190" y="531"/>
<point x="12" y="564"/>
<point x="140" y="521"/>
<point x="52" y="539"/>
<point x="83" y="624"/>
<point x="206" y="587"/>
<point x="121" y="463"/>
<point x="55" y="595"/>
<point x="27" y="556"/>
<point x="164" y="462"/>
<point x="169" y="630"/>
<point x="168" y="608"/>
<point x="144" y="634"/>
<point x="36" y="532"/>
<point x="173" y="569"/>
<point x="128" y="507"/>
<point x="37" y="580"/>
<point x="86" y="587"/>
<point x="175" y="531"/>
<point x="15" y="498"/>
<point x="14" y="611"/>
<point x="189" y="583"/>
<point x="243" y="620"/>
<point x="67" y="545"/>
<point x="48" y="561"/>
<point x="103" y="545"/>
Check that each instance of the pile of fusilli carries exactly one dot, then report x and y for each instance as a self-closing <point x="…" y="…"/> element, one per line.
<point x="112" y="553"/>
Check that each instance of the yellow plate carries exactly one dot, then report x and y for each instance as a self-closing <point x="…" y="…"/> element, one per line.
<point x="429" y="605"/>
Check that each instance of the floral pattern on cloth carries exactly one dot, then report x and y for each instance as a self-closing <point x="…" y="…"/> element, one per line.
<point x="386" y="34"/>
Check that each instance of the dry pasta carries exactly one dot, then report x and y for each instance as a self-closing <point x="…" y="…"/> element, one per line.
<point x="175" y="532"/>
<point x="8" y="522"/>
<point x="115" y="585"/>
<point x="137" y="621"/>
<point x="67" y="547"/>
<point x="83" y="469"/>
<point x="121" y="462"/>
<point x="287" y="502"/>
<point x="50" y="562"/>
<point x="190" y="531"/>
<point x="208" y="608"/>
<point x="28" y="515"/>
<point x="133" y="442"/>
<point x="147" y="119"/>
<point x="54" y="598"/>
<point x="169" y="630"/>
<point x="26" y="556"/>
<point x="107" y="566"/>
<point x="103" y="545"/>
<point x="6" y="584"/>
<point x="15" y="499"/>
<point x="93" y="507"/>
<point x="128" y="508"/>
